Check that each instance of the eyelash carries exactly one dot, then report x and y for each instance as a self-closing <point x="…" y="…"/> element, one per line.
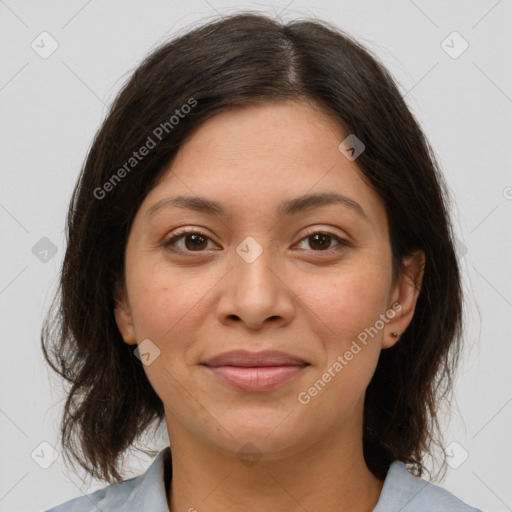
<point x="178" y="235"/>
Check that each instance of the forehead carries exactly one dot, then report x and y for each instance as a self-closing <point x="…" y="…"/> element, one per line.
<point x="287" y="131"/>
<point x="254" y="157"/>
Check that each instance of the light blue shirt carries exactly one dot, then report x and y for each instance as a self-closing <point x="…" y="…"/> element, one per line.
<point x="401" y="492"/>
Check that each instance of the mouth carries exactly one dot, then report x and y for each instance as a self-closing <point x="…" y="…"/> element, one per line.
<point x="255" y="371"/>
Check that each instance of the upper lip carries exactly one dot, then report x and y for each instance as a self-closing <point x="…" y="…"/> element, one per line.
<point x="248" y="359"/>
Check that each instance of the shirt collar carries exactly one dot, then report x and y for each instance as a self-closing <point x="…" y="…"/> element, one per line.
<point x="149" y="491"/>
<point x="399" y="489"/>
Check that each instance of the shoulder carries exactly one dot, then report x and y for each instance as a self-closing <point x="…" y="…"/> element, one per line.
<point x="146" y="491"/>
<point x="402" y="491"/>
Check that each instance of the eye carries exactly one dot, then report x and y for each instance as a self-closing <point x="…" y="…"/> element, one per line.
<point x="320" y="241"/>
<point x="195" y="241"/>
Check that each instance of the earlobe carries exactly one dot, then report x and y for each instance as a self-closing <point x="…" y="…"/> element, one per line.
<point x="123" y="317"/>
<point x="404" y="298"/>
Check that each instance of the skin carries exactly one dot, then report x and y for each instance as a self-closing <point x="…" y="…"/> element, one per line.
<point x="301" y="295"/>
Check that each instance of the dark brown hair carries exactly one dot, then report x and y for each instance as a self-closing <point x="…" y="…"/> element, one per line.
<point x="235" y="61"/>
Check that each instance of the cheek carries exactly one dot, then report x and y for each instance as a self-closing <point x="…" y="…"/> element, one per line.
<point x="164" y="304"/>
<point x="345" y="314"/>
<point x="351" y="300"/>
<point x="163" y="300"/>
<point x="170" y="307"/>
<point x="347" y="323"/>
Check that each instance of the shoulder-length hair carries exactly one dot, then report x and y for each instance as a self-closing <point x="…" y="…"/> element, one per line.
<point x="240" y="60"/>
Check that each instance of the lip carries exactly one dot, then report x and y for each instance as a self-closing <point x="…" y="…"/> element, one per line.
<point x="255" y="371"/>
<point x="252" y="359"/>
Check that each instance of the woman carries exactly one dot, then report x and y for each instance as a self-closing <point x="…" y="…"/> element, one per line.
<point x="259" y="255"/>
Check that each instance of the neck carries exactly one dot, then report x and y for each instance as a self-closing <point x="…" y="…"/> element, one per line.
<point x="329" y="475"/>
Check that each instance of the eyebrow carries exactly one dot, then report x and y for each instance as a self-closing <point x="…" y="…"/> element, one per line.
<point x="286" y="208"/>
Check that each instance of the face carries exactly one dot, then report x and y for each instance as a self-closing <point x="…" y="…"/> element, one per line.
<point x="264" y="268"/>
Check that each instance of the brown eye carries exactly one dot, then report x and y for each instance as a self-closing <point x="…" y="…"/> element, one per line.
<point x="321" y="242"/>
<point x="196" y="240"/>
<point x="193" y="241"/>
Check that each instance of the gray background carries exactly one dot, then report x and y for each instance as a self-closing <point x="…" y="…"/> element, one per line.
<point x="51" y="107"/>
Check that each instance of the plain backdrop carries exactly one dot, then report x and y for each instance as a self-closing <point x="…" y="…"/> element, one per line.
<point x="452" y="61"/>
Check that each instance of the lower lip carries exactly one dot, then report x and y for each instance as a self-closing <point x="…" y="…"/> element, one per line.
<point x="262" y="378"/>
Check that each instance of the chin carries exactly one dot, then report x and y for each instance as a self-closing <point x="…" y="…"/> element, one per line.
<point x="270" y="432"/>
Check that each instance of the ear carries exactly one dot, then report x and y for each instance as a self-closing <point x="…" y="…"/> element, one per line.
<point x="123" y="316"/>
<point x="404" y="297"/>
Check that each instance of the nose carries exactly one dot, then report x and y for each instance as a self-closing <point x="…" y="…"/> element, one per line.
<point x="256" y="294"/>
